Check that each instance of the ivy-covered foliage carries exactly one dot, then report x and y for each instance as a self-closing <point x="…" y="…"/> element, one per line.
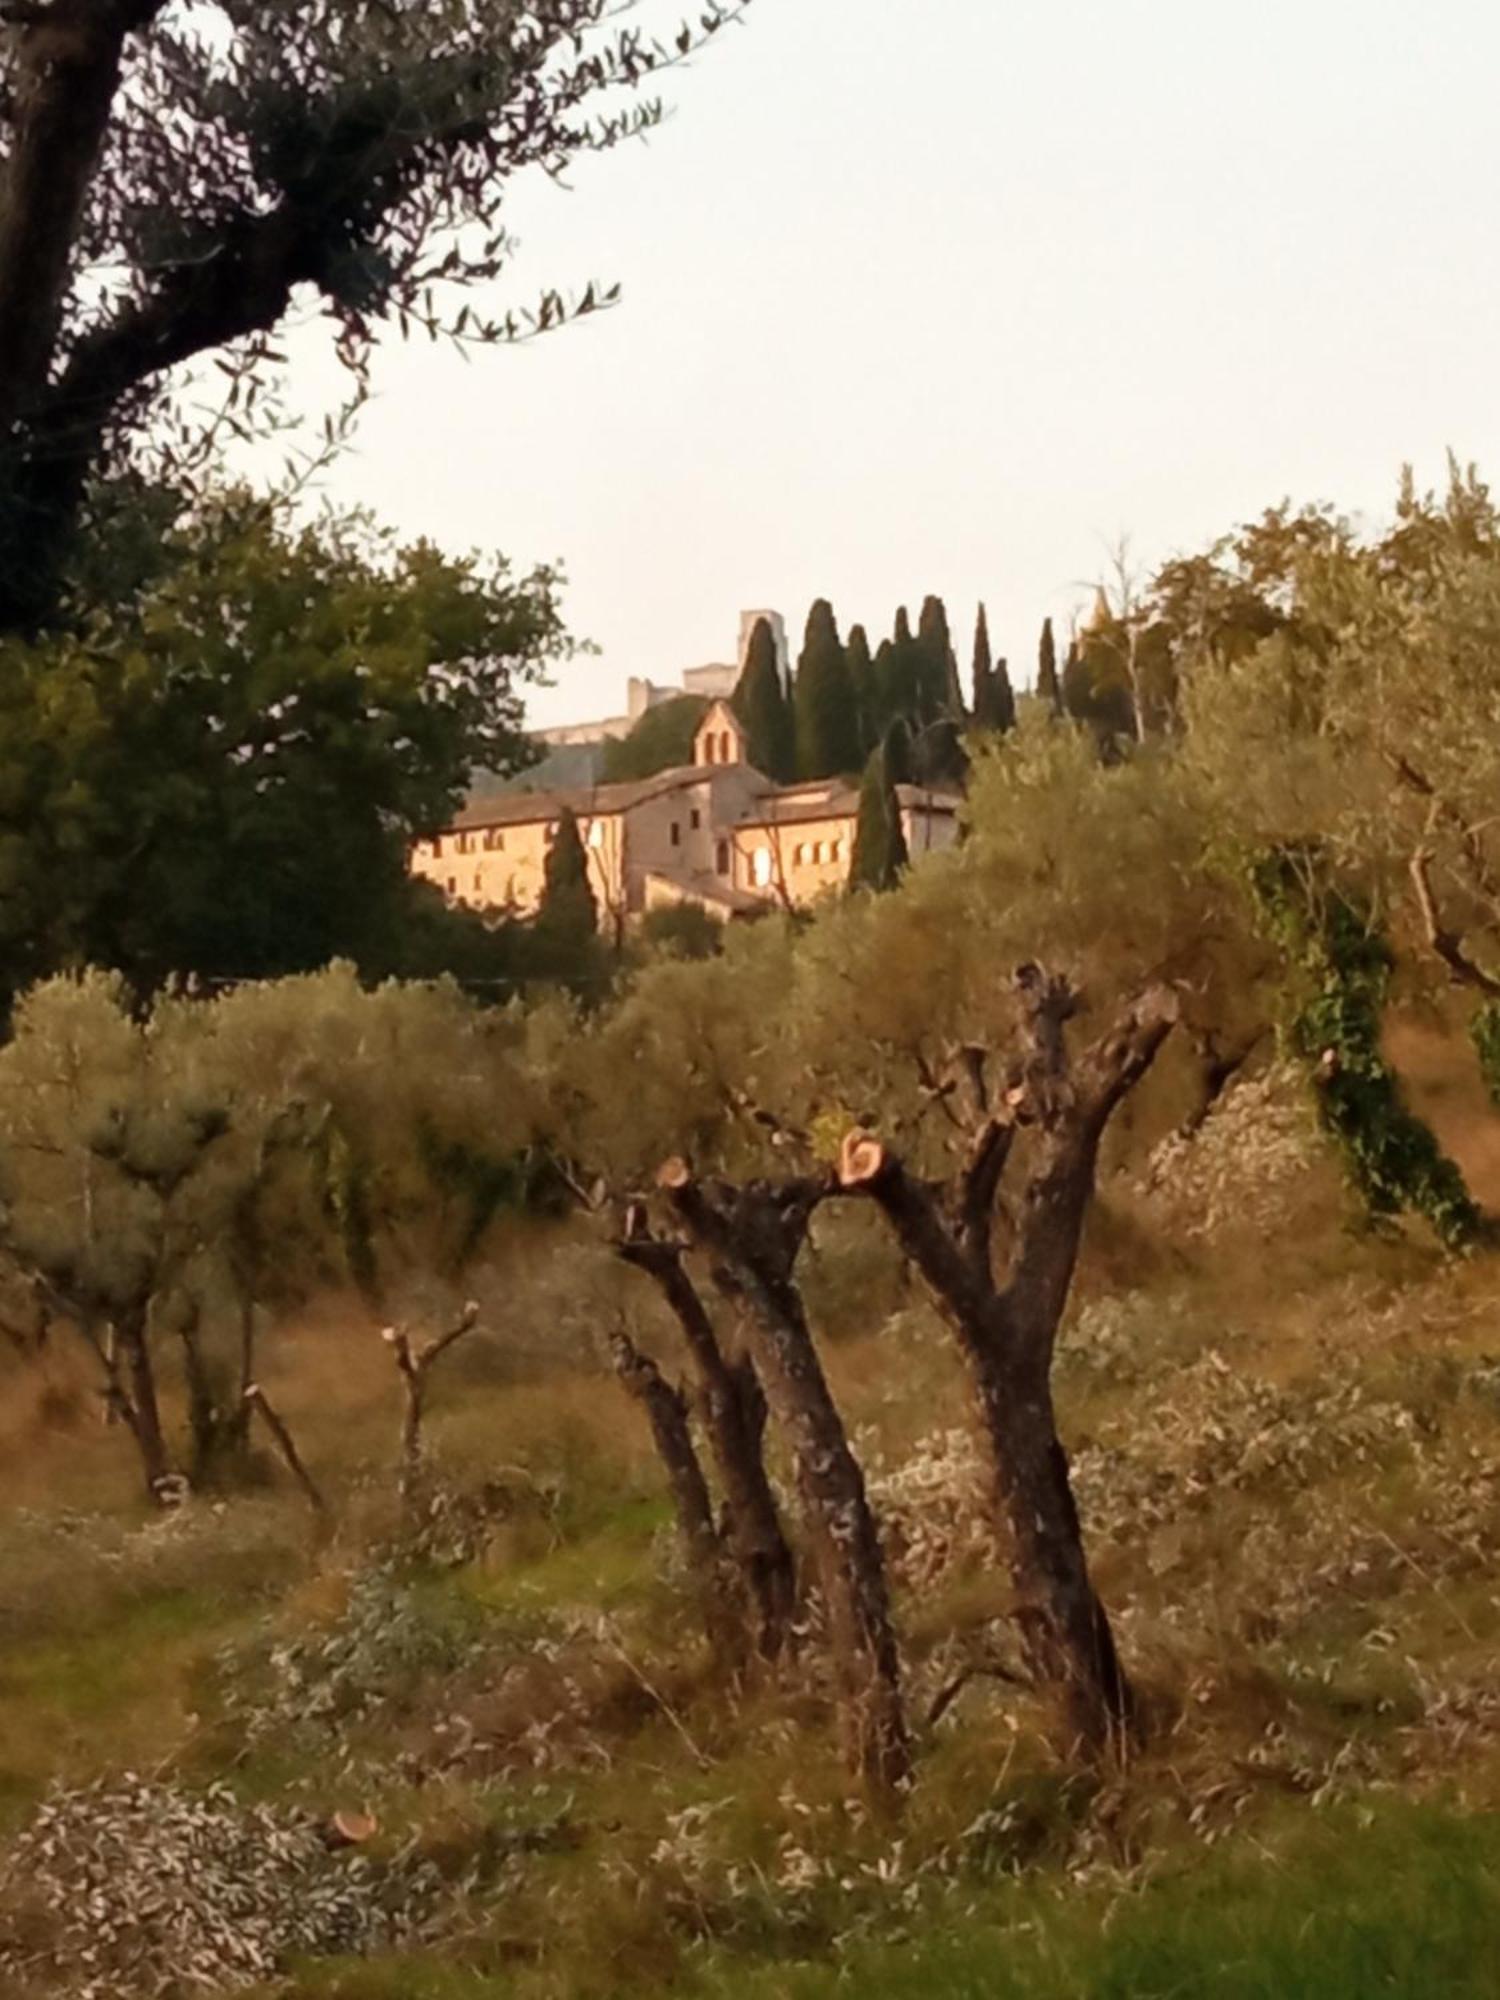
<point x="1484" y="1032"/>
<point x="1342" y="967"/>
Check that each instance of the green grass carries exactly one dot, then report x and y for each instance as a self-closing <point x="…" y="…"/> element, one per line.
<point x="1403" y="1901"/>
<point x="1386" y="1902"/>
<point x="110" y="1691"/>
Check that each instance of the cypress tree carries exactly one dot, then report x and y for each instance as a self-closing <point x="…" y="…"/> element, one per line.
<point x="898" y="675"/>
<point x="983" y="671"/>
<point x="1047" y="685"/>
<point x="827" y="723"/>
<point x="882" y="709"/>
<point x="1076" y="688"/>
<point x="1003" y="697"/>
<point x="880" y="851"/>
<point x="941" y="693"/>
<point x="568" y="912"/>
<point x="866" y="693"/>
<point x="896" y="748"/>
<point x="761" y="703"/>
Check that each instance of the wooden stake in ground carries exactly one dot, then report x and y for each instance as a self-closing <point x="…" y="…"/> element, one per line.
<point x="1006" y="1326"/>
<point x="414" y="1365"/>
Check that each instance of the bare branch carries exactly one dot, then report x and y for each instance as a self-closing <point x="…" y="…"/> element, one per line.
<point x="1447" y="945"/>
<point x="281" y="1437"/>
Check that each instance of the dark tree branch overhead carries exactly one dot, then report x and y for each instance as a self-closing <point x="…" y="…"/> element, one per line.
<point x="170" y="178"/>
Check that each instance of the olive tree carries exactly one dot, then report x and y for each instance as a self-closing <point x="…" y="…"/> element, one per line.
<point x="177" y="175"/>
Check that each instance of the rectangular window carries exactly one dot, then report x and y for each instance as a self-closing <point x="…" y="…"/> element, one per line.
<point x="760" y="867"/>
<point x="799" y="855"/>
<point x="697" y="819"/>
<point x="452" y="885"/>
<point x="676" y="833"/>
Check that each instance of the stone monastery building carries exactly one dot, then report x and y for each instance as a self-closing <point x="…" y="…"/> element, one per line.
<point x="715" y="832"/>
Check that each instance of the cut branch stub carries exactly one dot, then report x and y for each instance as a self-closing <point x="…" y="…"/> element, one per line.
<point x="862" y="1159"/>
<point x="673" y="1174"/>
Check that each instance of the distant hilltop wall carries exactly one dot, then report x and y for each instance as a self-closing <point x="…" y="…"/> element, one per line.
<point x="714" y="683"/>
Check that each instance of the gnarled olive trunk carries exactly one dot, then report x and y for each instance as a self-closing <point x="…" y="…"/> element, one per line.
<point x="671" y="1430"/>
<point x="1007" y="1330"/>
<point x="757" y="1232"/>
<point x="732" y="1407"/>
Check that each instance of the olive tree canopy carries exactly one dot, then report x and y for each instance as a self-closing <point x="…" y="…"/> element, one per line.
<point x="175" y="173"/>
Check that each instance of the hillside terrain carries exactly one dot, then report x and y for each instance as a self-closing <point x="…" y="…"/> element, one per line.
<point x="1282" y="1431"/>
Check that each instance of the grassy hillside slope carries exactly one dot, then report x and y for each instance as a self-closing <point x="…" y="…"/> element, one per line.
<point x="1283" y="1434"/>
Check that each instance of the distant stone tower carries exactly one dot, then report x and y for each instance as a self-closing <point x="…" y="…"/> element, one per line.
<point x="748" y="622"/>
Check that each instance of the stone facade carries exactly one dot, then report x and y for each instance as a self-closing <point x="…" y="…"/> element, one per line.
<point x="715" y="832"/>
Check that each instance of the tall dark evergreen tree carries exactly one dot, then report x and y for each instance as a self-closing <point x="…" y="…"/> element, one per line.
<point x="898" y="676"/>
<point x="827" y="722"/>
<point x="866" y="692"/>
<point x="568" y="914"/>
<point x="880" y="851"/>
<point x="941" y="692"/>
<point x="896" y="748"/>
<point x="1002" y="697"/>
<point x="760" y="702"/>
<point x="1074" y="693"/>
<point x="983" y="673"/>
<point x="885" y="674"/>
<point x="1048" y="687"/>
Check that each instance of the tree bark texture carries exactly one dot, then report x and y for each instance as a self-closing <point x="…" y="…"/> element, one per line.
<point x="144" y="1416"/>
<point x="732" y="1408"/>
<point x="414" y="1365"/>
<point x="757" y="1232"/>
<point x="1006" y="1327"/>
<point x="666" y="1411"/>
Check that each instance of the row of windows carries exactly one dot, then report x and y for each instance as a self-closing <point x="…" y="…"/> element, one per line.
<point x="492" y="840"/>
<point x="813" y="853"/>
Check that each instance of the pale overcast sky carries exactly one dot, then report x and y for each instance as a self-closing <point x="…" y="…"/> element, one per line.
<point x="945" y="294"/>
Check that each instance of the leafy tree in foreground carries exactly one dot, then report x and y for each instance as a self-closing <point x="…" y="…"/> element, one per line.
<point x="760" y="702"/>
<point x="219" y="772"/>
<point x="175" y="179"/>
<point x="827" y="722"/>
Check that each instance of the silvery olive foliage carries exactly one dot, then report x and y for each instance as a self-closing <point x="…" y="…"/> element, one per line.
<point x="137" y="1888"/>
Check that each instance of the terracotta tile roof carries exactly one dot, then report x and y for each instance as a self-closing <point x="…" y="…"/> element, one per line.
<point x="712" y="889"/>
<point x="844" y="804"/>
<point x="587" y="802"/>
